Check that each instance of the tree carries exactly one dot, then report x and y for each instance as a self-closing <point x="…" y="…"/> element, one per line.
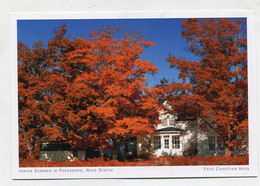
<point x="85" y="91"/>
<point x="214" y="88"/>
<point x="41" y="91"/>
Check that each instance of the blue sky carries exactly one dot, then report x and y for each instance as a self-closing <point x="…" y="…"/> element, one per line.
<point x="164" y="32"/>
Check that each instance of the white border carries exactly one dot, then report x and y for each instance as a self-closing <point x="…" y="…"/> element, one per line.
<point x="138" y="172"/>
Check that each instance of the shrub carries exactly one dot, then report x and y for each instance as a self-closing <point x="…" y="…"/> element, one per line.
<point x="190" y="151"/>
<point x="155" y="161"/>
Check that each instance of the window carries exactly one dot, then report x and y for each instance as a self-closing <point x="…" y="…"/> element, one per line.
<point x="212" y="143"/>
<point x="175" y="142"/>
<point x="166" y="141"/>
<point x="157" y="142"/>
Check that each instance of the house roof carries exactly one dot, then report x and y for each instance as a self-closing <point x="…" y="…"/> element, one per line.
<point x="169" y="129"/>
<point x="161" y="101"/>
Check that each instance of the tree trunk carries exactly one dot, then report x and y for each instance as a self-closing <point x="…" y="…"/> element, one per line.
<point x="75" y="153"/>
<point x="149" y="146"/>
<point x="229" y="151"/>
<point x="31" y="148"/>
<point x="115" y="144"/>
<point x="30" y="151"/>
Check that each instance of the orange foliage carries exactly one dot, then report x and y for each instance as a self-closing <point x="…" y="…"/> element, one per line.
<point x="214" y="87"/>
<point x="159" y="161"/>
<point x="85" y="91"/>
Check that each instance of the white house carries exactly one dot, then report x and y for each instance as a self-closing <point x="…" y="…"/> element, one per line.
<point x="174" y="137"/>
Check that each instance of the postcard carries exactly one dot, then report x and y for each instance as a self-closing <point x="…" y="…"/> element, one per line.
<point x="133" y="95"/>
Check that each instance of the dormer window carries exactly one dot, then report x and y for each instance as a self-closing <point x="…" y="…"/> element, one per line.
<point x="185" y="117"/>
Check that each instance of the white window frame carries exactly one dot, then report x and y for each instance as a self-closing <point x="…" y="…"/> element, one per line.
<point x="166" y="137"/>
<point x="174" y="144"/>
<point x="166" y="142"/>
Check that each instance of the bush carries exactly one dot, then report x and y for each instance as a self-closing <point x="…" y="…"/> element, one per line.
<point x="155" y="161"/>
<point x="190" y="151"/>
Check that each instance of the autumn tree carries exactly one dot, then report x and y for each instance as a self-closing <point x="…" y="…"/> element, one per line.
<point x="41" y="92"/>
<point x="85" y="91"/>
<point x="214" y="87"/>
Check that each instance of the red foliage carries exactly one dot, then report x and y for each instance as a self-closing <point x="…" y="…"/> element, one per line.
<point x="158" y="161"/>
<point x="214" y="87"/>
<point x="85" y="91"/>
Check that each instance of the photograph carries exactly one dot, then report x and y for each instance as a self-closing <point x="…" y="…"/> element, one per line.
<point x="104" y="93"/>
